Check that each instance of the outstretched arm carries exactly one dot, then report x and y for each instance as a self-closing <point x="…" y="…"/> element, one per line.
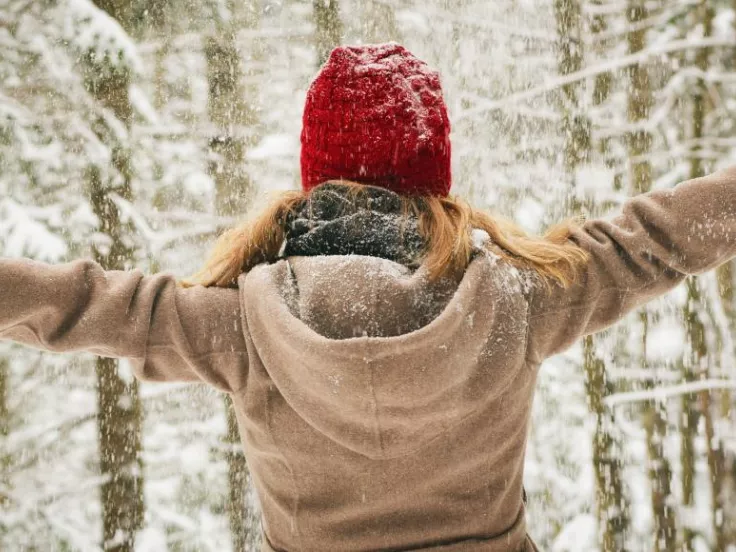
<point x="659" y="238"/>
<point x="169" y="333"/>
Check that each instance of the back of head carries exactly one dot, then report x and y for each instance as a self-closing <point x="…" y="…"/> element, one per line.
<point x="375" y="115"/>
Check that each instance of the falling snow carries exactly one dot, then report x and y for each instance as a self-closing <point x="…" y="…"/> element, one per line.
<point x="540" y="133"/>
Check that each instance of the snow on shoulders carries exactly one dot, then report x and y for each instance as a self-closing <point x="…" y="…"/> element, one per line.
<point x="479" y="238"/>
<point x="375" y="266"/>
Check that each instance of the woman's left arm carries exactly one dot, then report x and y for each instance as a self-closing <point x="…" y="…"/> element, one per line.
<point x="169" y="333"/>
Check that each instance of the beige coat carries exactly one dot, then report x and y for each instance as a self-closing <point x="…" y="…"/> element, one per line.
<point x="378" y="412"/>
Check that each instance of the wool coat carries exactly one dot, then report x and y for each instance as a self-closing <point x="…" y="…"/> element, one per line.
<point x="378" y="411"/>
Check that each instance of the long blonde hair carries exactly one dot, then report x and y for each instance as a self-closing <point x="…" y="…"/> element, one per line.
<point x="445" y="224"/>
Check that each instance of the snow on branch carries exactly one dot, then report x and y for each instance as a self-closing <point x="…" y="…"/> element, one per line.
<point x="91" y="30"/>
<point x="609" y="8"/>
<point x="192" y="40"/>
<point x="535" y="113"/>
<point x="158" y="241"/>
<point x="662" y="393"/>
<point x="610" y="65"/>
<point x="653" y="21"/>
<point x="489" y="25"/>
<point x="708" y="148"/>
<point x="453" y="16"/>
<point x="616" y="7"/>
<point x="669" y="93"/>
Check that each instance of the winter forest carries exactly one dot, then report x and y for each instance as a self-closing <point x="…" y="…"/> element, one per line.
<point x="134" y="132"/>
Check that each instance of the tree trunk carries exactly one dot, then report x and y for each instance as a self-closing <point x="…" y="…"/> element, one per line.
<point x="660" y="473"/>
<point x="702" y="61"/>
<point x="725" y="409"/>
<point x="688" y="429"/>
<point x="603" y="81"/>
<point x="379" y="23"/>
<point x="230" y="115"/>
<point x="639" y="104"/>
<point x="119" y="408"/>
<point x="575" y="127"/>
<point x="328" y="27"/>
<point x="639" y="145"/>
<point x="694" y="326"/>
<point x="701" y="405"/>
<point x="613" y="506"/>
<point x="160" y="20"/>
<point x="602" y="86"/>
<point x="696" y="330"/>
<point x="695" y="365"/>
<point x="716" y="466"/>
<point x="228" y="112"/>
<point x="726" y="286"/>
<point x="610" y="502"/>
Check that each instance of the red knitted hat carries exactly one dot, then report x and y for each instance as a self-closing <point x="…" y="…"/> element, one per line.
<point x="375" y="115"/>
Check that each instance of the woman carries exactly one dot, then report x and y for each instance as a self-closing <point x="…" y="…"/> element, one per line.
<point x="380" y="339"/>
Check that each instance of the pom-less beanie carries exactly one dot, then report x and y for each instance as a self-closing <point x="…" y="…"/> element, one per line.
<point x="375" y="115"/>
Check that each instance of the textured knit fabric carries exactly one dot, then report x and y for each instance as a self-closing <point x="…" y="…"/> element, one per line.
<point x="393" y="440"/>
<point x="332" y="221"/>
<point x="375" y="115"/>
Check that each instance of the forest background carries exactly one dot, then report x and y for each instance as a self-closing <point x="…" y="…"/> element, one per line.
<point x="134" y="132"/>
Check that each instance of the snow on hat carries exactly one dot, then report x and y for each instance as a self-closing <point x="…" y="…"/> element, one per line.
<point x="375" y="115"/>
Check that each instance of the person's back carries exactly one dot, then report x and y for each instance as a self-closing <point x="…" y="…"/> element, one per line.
<point x="380" y="339"/>
<point x="397" y="408"/>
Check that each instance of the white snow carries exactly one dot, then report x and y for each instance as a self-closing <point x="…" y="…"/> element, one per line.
<point x="498" y="65"/>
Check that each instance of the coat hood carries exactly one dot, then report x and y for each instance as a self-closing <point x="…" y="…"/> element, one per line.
<point x="372" y="355"/>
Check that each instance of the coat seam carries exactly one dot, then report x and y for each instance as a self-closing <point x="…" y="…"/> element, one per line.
<point x="526" y="332"/>
<point x="246" y="340"/>
<point x="272" y="433"/>
<point x="269" y="425"/>
<point x="376" y="419"/>
<point x="620" y="290"/>
<point x="581" y="306"/>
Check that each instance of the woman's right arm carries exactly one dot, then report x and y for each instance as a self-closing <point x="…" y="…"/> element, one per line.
<point x="169" y="333"/>
<point x="660" y="238"/>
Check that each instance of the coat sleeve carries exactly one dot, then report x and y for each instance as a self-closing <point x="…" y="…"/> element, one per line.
<point x="169" y="333"/>
<point x="659" y="238"/>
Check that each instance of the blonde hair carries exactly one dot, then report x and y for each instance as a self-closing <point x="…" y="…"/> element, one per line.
<point x="445" y="224"/>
